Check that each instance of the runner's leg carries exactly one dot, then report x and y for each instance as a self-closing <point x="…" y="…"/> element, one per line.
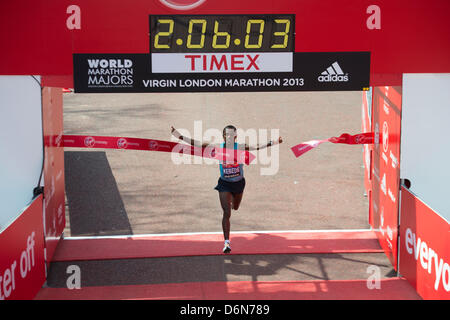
<point x="225" y="202"/>
<point x="237" y="198"/>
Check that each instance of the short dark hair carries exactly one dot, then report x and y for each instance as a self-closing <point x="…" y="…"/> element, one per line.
<point x="228" y="127"/>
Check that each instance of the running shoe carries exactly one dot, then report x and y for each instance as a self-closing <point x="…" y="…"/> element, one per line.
<point x="227" y="248"/>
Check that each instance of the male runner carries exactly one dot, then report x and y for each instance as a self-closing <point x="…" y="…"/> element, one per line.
<point x="231" y="183"/>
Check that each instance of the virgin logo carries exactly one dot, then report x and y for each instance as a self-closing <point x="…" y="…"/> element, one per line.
<point x="385" y="136"/>
<point x="377" y="135"/>
<point x="153" y="144"/>
<point x="122" y="143"/>
<point x="360" y="139"/>
<point x="89" y="142"/>
<point x="182" y="4"/>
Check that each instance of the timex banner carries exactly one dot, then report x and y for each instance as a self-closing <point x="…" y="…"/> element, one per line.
<point x="221" y="72"/>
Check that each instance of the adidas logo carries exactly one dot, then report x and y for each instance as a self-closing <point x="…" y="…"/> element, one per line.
<point x="333" y="73"/>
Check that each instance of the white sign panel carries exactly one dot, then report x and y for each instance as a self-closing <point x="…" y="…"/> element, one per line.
<point x="21" y="151"/>
<point x="221" y="62"/>
<point x="425" y="138"/>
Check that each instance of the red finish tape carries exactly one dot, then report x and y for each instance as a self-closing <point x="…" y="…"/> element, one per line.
<point x="79" y="141"/>
<point x="362" y="138"/>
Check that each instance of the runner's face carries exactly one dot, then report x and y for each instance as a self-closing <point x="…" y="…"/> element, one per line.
<point x="229" y="136"/>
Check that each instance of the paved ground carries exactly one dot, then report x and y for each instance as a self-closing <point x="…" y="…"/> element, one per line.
<point x="284" y="267"/>
<point x="136" y="192"/>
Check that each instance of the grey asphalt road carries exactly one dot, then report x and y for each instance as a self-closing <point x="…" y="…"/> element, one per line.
<point x="139" y="192"/>
<point x="282" y="267"/>
<point x="111" y="192"/>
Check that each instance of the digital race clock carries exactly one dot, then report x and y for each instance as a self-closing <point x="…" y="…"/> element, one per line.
<point x="221" y="43"/>
<point x="221" y="33"/>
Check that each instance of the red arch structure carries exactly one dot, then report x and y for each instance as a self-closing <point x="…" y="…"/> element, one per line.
<point x="402" y="37"/>
<point x="375" y="42"/>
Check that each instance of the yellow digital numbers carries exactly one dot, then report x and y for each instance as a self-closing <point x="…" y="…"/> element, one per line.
<point x="217" y="34"/>
<point x="228" y="33"/>
<point x="260" y="37"/>
<point x="284" y="33"/>
<point x="189" y="43"/>
<point x="163" y="33"/>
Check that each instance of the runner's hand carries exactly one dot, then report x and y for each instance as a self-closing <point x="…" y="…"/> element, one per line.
<point x="175" y="132"/>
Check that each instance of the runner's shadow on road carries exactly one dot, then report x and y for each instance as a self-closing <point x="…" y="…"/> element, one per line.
<point x="93" y="198"/>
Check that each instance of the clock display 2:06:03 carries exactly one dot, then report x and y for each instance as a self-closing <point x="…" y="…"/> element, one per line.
<point x="224" y="33"/>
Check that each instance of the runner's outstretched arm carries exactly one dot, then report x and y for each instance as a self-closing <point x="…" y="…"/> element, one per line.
<point x="258" y="147"/>
<point x="190" y="141"/>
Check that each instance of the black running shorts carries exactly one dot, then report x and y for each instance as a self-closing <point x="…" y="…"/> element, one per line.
<point x="233" y="187"/>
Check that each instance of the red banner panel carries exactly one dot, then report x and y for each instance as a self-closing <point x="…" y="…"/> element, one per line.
<point x="367" y="148"/>
<point x="22" y="265"/>
<point x="385" y="170"/>
<point x="424" y="248"/>
<point x="366" y="126"/>
<point x="54" y="200"/>
<point x="40" y="37"/>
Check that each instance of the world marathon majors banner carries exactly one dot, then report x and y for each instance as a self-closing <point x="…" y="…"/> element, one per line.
<point x="132" y="73"/>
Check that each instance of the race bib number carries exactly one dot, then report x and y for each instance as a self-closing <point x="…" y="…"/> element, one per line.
<point x="231" y="170"/>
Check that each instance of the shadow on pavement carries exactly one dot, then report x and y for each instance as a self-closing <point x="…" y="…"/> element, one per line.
<point x="94" y="202"/>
